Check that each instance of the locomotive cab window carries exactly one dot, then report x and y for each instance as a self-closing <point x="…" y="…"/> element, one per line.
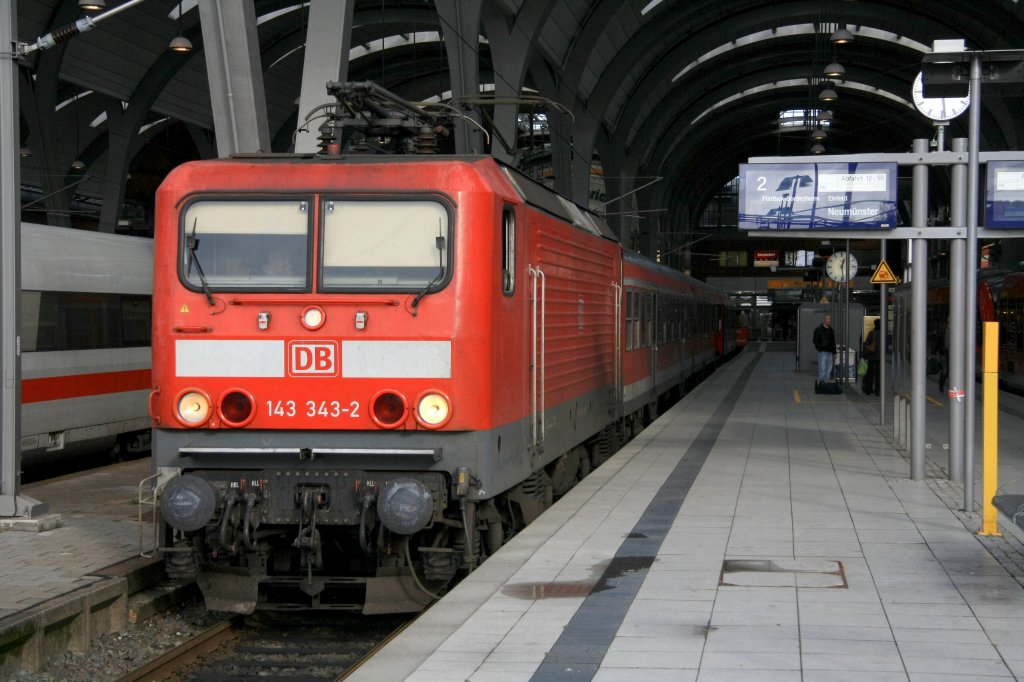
<point x="240" y="244"/>
<point x="385" y="245"/>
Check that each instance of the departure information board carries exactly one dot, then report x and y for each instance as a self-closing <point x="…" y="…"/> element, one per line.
<point x="817" y="196"/>
<point x="1004" y="201"/>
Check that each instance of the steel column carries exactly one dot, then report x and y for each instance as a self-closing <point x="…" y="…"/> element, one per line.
<point x="971" y="283"/>
<point x="460" y="26"/>
<point x="232" y="51"/>
<point x="328" y="39"/>
<point x="918" y="312"/>
<point x="11" y="503"/>
<point x="881" y="342"/>
<point x="958" y="274"/>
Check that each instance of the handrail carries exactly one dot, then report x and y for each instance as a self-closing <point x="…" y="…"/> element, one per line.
<point x="537" y="358"/>
<point x="148" y="499"/>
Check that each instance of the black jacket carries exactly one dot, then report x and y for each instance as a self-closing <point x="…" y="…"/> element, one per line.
<point x="825" y="339"/>
<point x="870" y="344"/>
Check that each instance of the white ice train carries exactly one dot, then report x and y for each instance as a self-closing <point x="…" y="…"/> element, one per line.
<point x="85" y="350"/>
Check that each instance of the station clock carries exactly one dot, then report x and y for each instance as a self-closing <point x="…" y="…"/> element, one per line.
<point x="839" y="265"/>
<point x="938" y="108"/>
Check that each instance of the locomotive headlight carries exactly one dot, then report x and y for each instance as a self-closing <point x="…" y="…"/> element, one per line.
<point x="313" y="317"/>
<point x="187" y="502"/>
<point x="236" y="407"/>
<point x="389" y="409"/>
<point x="193" y="407"/>
<point x="405" y="506"/>
<point x="433" y="409"/>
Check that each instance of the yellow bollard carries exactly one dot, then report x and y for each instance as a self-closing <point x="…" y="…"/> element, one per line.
<point x="990" y="431"/>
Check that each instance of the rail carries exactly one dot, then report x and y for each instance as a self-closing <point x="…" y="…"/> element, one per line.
<point x="166" y="666"/>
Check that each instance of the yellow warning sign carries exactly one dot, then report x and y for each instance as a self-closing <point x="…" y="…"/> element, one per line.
<point x="184" y="308"/>
<point x="884" y="275"/>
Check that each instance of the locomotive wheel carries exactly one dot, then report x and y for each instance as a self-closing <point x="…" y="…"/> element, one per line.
<point x="563" y="471"/>
<point x="607" y="443"/>
<point x="495" y="537"/>
<point x="585" y="466"/>
<point x="459" y="544"/>
<point x="531" y="497"/>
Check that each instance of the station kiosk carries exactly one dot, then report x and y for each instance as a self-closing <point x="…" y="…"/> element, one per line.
<point x="847" y="322"/>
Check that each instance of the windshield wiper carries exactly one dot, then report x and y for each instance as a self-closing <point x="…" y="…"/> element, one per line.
<point x="193" y="243"/>
<point x="439" y="242"/>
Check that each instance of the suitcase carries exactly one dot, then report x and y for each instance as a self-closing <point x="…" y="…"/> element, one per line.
<point x="828" y="387"/>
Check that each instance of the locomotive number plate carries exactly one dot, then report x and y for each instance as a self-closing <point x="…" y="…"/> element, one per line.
<point x="329" y="409"/>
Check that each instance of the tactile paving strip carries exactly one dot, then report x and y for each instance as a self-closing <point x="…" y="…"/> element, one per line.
<point x="584" y="642"/>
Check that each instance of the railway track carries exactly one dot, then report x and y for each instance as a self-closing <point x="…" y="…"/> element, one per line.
<point x="179" y="658"/>
<point x="271" y="647"/>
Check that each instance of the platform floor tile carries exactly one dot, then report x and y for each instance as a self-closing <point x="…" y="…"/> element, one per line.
<point x="800" y="551"/>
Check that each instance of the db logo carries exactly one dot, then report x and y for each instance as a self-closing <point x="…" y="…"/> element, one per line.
<point x="318" y="359"/>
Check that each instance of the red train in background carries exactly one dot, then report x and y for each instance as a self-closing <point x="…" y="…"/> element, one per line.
<point x="1000" y="298"/>
<point x="369" y="372"/>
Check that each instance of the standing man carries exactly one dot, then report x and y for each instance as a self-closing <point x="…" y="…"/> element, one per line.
<point x="825" y="343"/>
<point x="870" y="384"/>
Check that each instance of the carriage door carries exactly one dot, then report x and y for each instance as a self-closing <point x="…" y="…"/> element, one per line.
<point x="688" y="313"/>
<point x="616" y="398"/>
<point x="652" y="338"/>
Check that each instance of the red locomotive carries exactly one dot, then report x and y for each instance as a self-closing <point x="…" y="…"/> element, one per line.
<point x="371" y="371"/>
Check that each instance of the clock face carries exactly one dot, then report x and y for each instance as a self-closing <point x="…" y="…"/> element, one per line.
<point x="839" y="263"/>
<point x="938" y="108"/>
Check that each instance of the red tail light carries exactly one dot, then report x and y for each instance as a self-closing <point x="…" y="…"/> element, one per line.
<point x="389" y="409"/>
<point x="236" y="408"/>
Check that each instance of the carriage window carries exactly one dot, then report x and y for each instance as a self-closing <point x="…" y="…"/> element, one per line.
<point x="75" y="320"/>
<point x="385" y="245"/>
<point x="648" y="339"/>
<point x="246" y="244"/>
